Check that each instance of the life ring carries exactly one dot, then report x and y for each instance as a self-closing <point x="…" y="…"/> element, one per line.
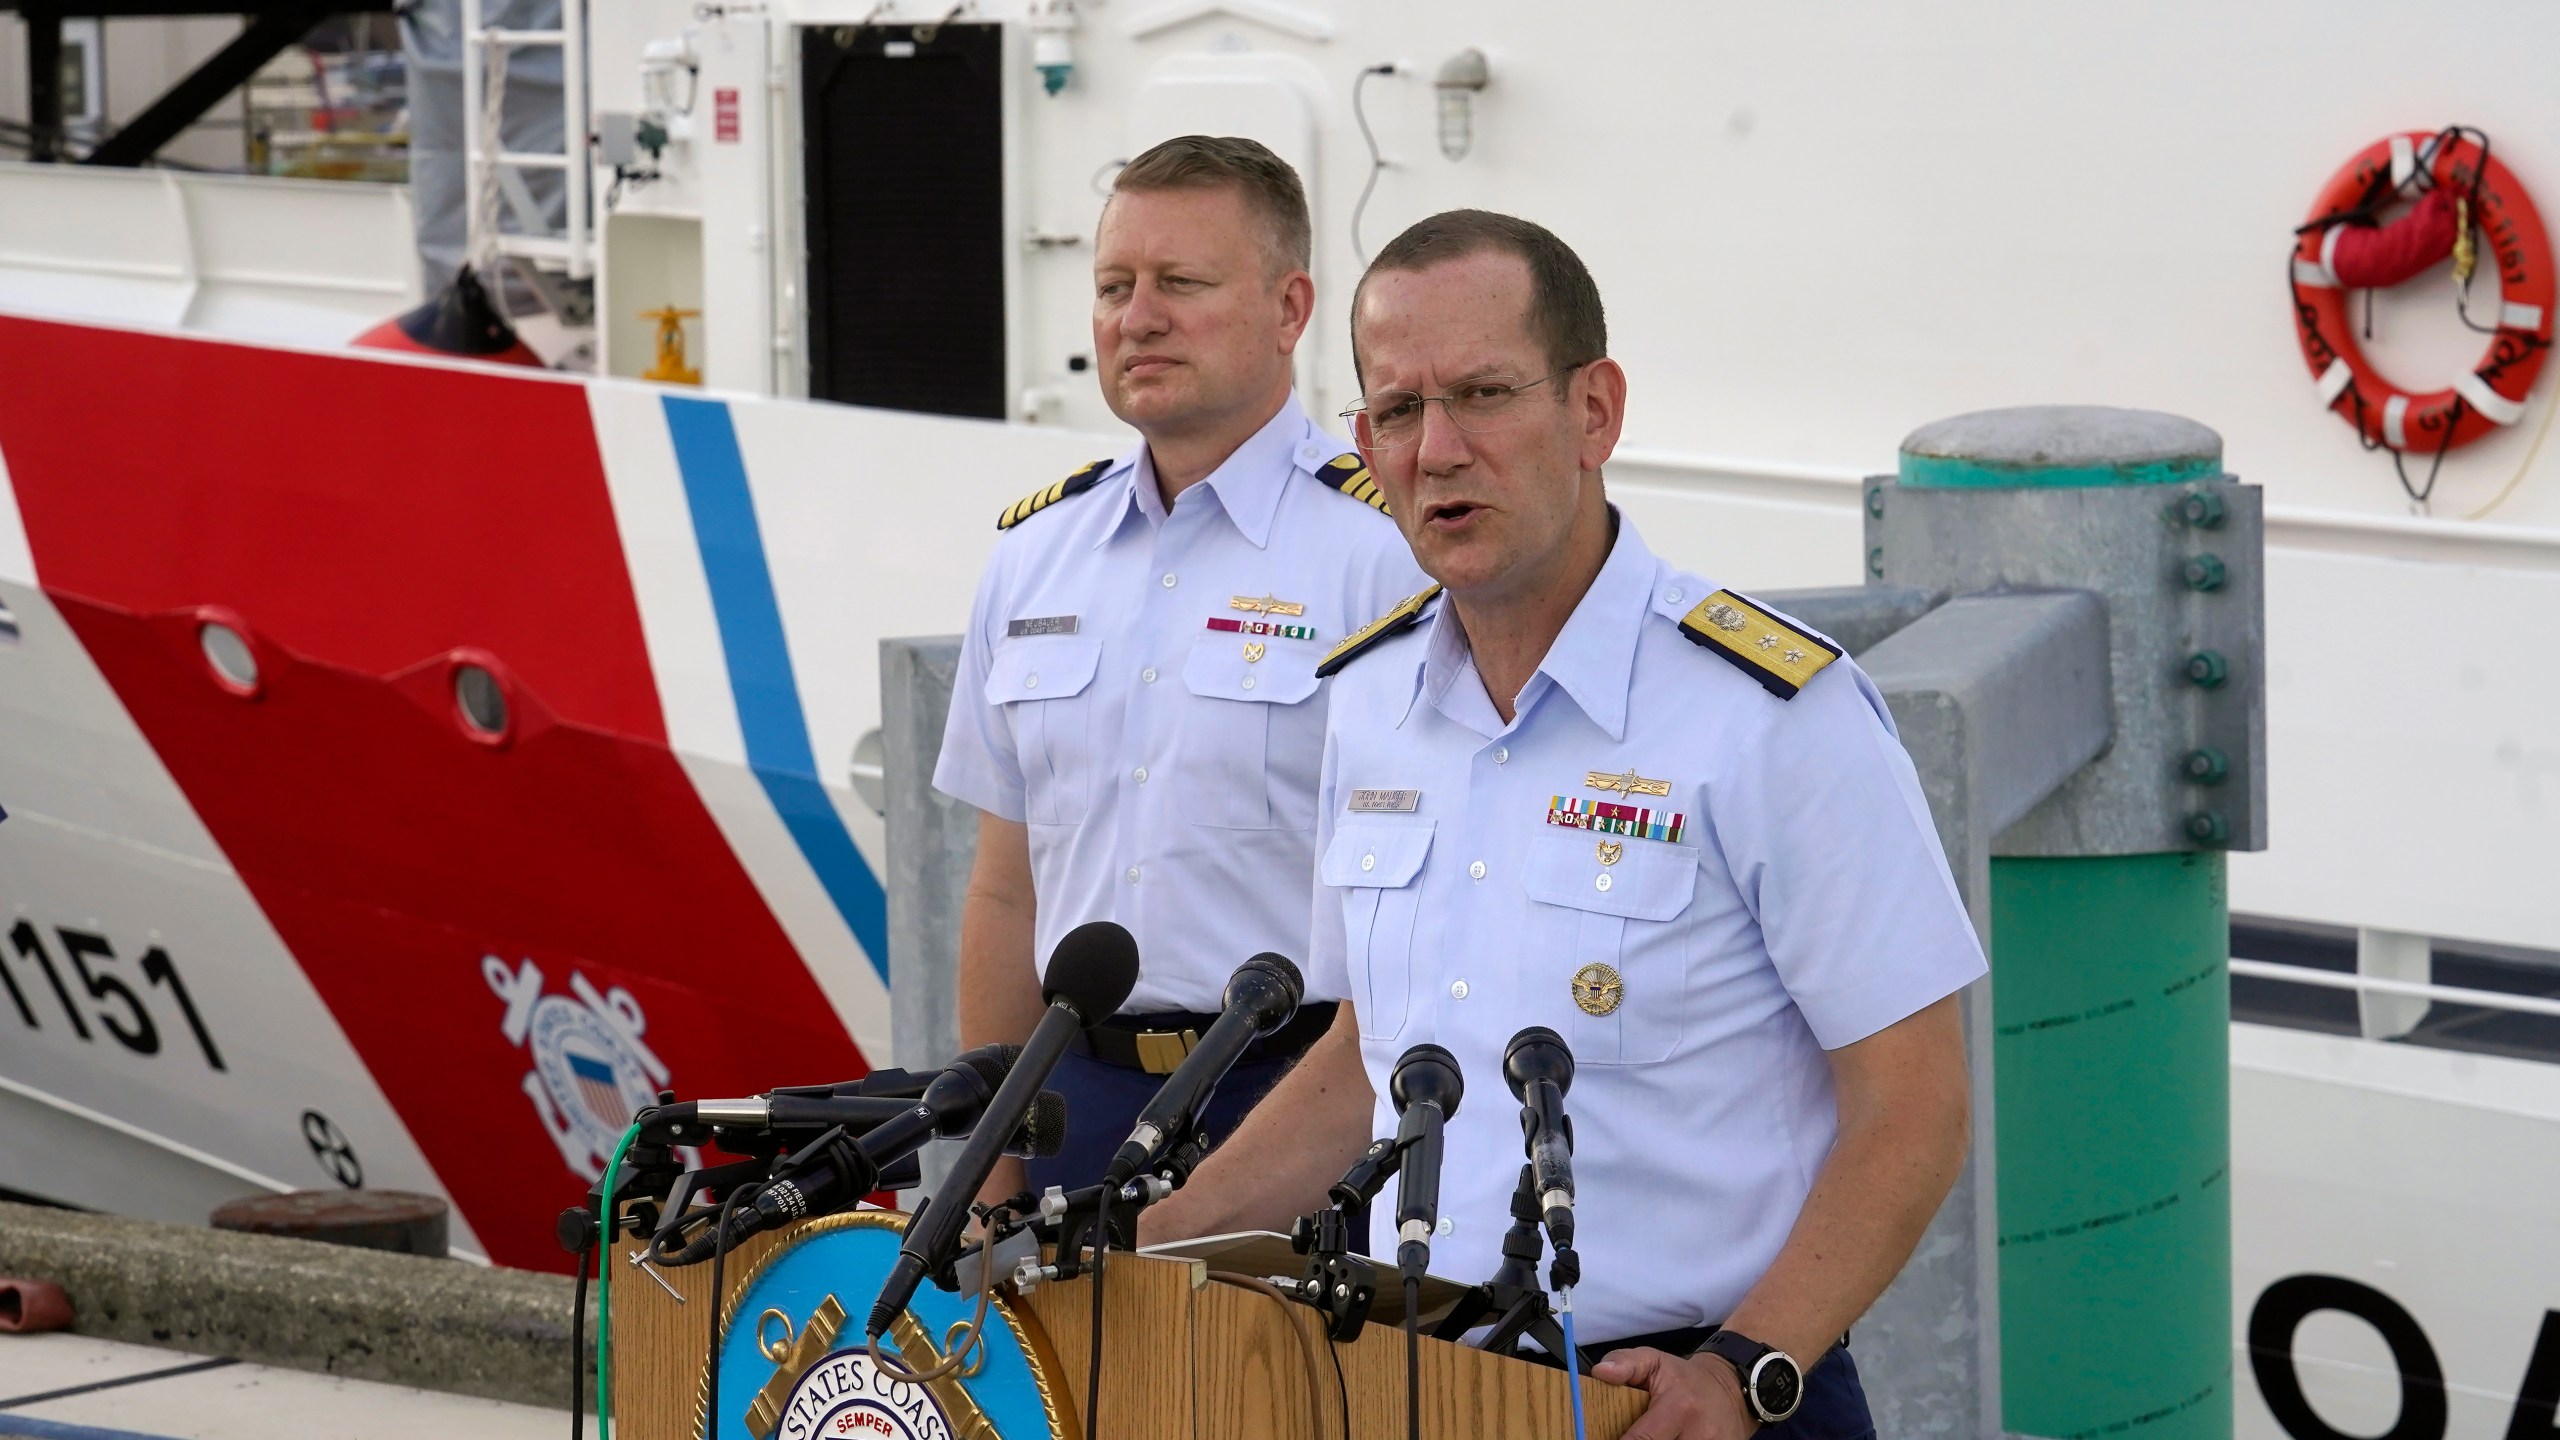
<point x="2492" y="393"/>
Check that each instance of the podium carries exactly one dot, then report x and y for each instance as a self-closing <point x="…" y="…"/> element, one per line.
<point x="1185" y="1354"/>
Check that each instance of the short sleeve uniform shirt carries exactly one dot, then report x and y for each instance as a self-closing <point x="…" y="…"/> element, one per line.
<point x="1700" y="886"/>
<point x="1137" y="686"/>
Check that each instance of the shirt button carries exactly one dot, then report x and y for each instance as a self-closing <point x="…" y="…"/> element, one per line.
<point x="1168" y="579"/>
<point x="1133" y="874"/>
<point x="1476" y="871"/>
<point x="1602" y="882"/>
<point x="1502" y="755"/>
<point x="1448" y="1225"/>
<point x="1671" y="597"/>
<point x="1031" y="681"/>
<point x="1140" y="775"/>
<point x="1148" y="674"/>
<point x="1248" y="682"/>
<point x="1369" y="862"/>
<point x="1458" y="990"/>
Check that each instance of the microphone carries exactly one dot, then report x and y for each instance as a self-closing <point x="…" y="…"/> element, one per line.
<point x="1425" y="1087"/>
<point x="829" y="1175"/>
<point x="896" y="1084"/>
<point x="949" y="1106"/>
<point x="1260" y="998"/>
<point x="1539" y="1070"/>
<point x="1093" y="969"/>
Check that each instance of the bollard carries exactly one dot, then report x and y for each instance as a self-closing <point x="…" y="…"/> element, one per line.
<point x="393" y="1220"/>
<point x="2109" y="914"/>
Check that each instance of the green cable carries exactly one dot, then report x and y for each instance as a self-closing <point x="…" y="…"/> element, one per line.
<point x="604" y="1288"/>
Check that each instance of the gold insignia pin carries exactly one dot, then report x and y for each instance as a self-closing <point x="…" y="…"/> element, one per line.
<point x="1266" y="605"/>
<point x="1597" y="989"/>
<point x="1252" y="652"/>
<point x="1610" y="850"/>
<point x="1724" y="617"/>
<point x="1769" y="642"/>
<point x="1630" y="783"/>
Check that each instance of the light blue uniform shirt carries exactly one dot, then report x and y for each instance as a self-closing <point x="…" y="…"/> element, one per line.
<point x="1167" y="775"/>
<point x="1804" y="905"/>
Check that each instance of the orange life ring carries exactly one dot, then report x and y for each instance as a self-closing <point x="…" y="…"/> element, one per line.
<point x="2492" y="393"/>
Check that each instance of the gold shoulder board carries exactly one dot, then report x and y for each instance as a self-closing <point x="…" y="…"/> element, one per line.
<point x="1766" y="648"/>
<point x="1039" y="500"/>
<point x="1345" y="473"/>
<point x="1405" y="616"/>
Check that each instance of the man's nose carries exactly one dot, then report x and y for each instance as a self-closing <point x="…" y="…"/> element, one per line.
<point x="1145" y="314"/>
<point x="1442" y="446"/>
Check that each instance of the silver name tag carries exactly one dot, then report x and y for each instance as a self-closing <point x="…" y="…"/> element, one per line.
<point x="1043" y="625"/>
<point x="1385" y="802"/>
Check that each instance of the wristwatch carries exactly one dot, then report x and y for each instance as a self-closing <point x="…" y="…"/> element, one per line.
<point x="1772" y="1381"/>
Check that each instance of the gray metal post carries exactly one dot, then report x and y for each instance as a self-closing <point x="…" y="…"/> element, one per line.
<point x="932" y="841"/>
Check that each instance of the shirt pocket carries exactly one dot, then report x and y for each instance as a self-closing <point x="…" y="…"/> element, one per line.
<point x="1042" y="681"/>
<point x="1377" y="865"/>
<point x="1619" y="914"/>
<point x="1251" y="744"/>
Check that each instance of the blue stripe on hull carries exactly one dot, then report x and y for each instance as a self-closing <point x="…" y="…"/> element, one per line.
<point x="768" y="698"/>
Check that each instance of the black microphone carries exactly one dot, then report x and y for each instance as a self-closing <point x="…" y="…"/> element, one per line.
<point x="1425" y="1087"/>
<point x="1539" y="1070"/>
<point x="949" y="1106"/>
<point x="895" y="1084"/>
<point x="1260" y="998"/>
<point x="1093" y="969"/>
<point x="827" y="1175"/>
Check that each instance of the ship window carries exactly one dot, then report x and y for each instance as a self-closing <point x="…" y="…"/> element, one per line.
<point x="483" y="704"/>
<point x="2447" y="1024"/>
<point x="905" y="180"/>
<point x="229" y="656"/>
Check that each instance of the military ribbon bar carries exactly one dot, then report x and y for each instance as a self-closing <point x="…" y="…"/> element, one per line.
<point x="1262" y="627"/>
<point x="1641" y="821"/>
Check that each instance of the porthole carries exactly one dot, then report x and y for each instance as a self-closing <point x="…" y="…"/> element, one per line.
<point x="234" y="667"/>
<point x="482" y="703"/>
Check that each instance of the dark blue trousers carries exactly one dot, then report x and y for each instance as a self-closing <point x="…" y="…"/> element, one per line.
<point x="1835" y="1403"/>
<point x="1103" y="1101"/>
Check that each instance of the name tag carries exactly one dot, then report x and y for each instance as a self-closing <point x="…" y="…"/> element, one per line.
<point x="1385" y="802"/>
<point x="1043" y="625"/>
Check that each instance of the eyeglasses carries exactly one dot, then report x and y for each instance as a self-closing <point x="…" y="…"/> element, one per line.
<point x="1394" y="417"/>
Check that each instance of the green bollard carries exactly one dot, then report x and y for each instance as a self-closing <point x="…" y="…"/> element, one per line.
<point x="2110" y="998"/>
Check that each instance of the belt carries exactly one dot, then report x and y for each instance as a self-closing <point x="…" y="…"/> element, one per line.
<point x="1682" y="1343"/>
<point x="1156" y="1043"/>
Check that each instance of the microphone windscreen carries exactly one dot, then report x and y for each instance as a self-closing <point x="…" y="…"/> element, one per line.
<point x="1536" y="1053"/>
<point x="992" y="1062"/>
<point x="1044" y="1127"/>
<point x="1426" y="1074"/>
<point x="1093" y="969"/>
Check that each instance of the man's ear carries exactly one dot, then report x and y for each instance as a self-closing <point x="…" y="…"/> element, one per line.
<point x="1297" y="307"/>
<point x="1600" y="402"/>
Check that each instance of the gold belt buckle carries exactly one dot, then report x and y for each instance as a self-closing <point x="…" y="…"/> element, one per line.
<point x="1160" y="1052"/>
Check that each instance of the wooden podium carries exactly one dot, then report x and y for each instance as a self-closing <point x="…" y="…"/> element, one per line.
<point x="1185" y="1355"/>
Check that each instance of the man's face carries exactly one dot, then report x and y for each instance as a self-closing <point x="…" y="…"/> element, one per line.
<point x="1191" y="324"/>
<point x="1491" y="509"/>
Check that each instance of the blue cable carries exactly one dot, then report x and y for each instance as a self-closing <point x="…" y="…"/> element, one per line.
<point x="1572" y="1357"/>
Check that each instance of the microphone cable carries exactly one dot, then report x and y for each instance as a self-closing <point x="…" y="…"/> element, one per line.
<point x="719" y="1268"/>
<point x="1412" y="1358"/>
<point x="1093" y="1373"/>
<point x="1572" y="1358"/>
<point x="606" y="1226"/>
<point x="896" y="1369"/>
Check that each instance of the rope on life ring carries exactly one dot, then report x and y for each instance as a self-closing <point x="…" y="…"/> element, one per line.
<point x="2344" y="248"/>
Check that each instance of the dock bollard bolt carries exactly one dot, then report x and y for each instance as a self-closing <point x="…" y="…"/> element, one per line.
<point x="2204" y="572"/>
<point x="2206" y="669"/>
<point x="2206" y="766"/>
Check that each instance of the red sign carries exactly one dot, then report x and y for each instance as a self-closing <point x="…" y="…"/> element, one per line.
<point x="724" y="116"/>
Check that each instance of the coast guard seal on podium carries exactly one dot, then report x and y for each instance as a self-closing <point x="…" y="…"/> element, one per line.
<point x="792" y="1369"/>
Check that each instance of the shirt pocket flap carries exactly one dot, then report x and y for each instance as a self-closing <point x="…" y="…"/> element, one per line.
<point x="1042" y="667"/>
<point x="1283" y="674"/>
<point x="1376" y="855"/>
<point x="1648" y="879"/>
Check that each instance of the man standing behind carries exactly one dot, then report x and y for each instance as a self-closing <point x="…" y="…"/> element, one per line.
<point x="1585" y="789"/>
<point x="1137" y="712"/>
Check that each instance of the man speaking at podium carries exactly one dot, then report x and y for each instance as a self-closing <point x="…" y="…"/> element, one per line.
<point x="1583" y="788"/>
<point x="1136" y="711"/>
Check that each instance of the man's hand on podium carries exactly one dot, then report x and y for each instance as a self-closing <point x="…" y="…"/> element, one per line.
<point x="1699" y="1398"/>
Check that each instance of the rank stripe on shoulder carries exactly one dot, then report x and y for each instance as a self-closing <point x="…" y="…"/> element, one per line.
<point x="1779" y="655"/>
<point x="1407" y="613"/>
<point x="1345" y="473"/>
<point x="1039" y="500"/>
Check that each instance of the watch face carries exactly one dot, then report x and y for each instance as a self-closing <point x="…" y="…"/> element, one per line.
<point x="1777" y="1385"/>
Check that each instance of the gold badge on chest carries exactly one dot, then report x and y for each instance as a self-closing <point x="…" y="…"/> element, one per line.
<point x="1597" y="989"/>
<point x="1610" y="850"/>
<point x="1266" y="605"/>
<point x="1253" y="652"/>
